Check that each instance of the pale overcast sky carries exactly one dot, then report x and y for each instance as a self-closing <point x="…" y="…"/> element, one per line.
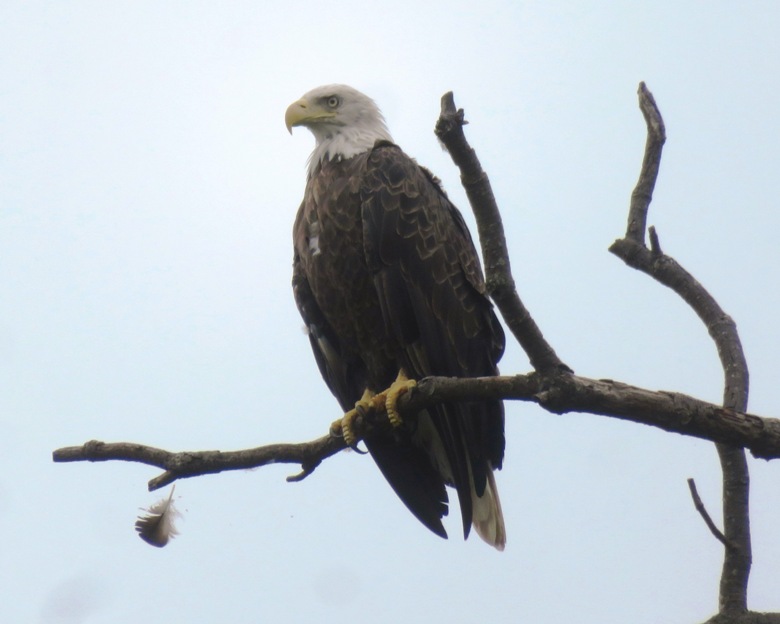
<point x="147" y="192"/>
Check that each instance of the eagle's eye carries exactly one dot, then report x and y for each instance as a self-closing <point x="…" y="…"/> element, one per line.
<point x="333" y="101"/>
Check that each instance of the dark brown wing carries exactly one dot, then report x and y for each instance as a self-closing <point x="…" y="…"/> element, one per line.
<point x="430" y="288"/>
<point x="339" y="371"/>
<point x="335" y="294"/>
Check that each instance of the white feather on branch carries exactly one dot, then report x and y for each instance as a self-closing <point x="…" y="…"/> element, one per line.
<point x="156" y="526"/>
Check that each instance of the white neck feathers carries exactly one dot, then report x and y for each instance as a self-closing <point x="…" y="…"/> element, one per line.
<point x="344" y="142"/>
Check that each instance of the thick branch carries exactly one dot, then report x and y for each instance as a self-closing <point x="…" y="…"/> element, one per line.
<point x="559" y="394"/>
<point x="498" y="271"/>
<point x="664" y="269"/>
<point x="746" y="617"/>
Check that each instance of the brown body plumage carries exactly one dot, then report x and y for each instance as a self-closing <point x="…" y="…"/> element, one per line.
<point x="386" y="278"/>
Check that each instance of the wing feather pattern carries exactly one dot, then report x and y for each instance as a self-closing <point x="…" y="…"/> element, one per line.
<point x="432" y="296"/>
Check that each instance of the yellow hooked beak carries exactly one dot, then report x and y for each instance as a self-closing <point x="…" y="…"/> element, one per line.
<point x="303" y="112"/>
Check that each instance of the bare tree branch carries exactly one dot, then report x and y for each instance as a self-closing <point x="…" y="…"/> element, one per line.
<point x="498" y="271"/>
<point x="670" y="411"/>
<point x="643" y="192"/>
<point x="664" y="269"/>
<point x="746" y="617"/>
<point x="187" y="464"/>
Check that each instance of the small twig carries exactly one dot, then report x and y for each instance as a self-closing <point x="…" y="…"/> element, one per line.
<point x="697" y="502"/>
<point x="655" y="244"/>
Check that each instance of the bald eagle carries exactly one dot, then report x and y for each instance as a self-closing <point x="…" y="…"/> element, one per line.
<point x="388" y="282"/>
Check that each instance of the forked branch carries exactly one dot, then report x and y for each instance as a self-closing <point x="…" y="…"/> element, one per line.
<point x="664" y="269"/>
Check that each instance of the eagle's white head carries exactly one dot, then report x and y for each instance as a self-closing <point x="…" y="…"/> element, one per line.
<point x="344" y="122"/>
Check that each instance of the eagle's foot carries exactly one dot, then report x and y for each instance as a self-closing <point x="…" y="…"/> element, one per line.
<point x="345" y="425"/>
<point x="343" y="428"/>
<point x="386" y="400"/>
<point x="400" y="386"/>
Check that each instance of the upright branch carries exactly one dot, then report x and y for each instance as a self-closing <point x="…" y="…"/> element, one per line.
<point x="643" y="192"/>
<point x="664" y="269"/>
<point x="498" y="272"/>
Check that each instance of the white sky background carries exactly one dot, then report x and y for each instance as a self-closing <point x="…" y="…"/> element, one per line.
<point x="147" y="193"/>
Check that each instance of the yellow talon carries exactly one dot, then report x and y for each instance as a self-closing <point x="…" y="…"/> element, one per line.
<point x="400" y="386"/>
<point x="346" y="427"/>
<point x="345" y="424"/>
<point x="388" y="399"/>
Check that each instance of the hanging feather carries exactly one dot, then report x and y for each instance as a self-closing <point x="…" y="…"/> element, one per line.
<point x="156" y="526"/>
